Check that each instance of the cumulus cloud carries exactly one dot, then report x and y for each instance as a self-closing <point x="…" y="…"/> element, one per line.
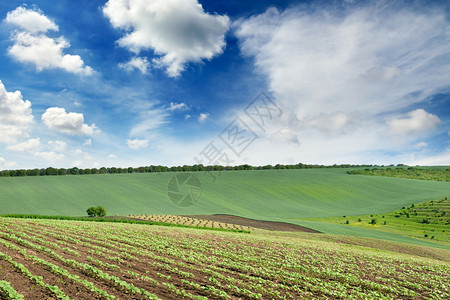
<point x="177" y="106"/>
<point x="80" y="152"/>
<point x="179" y="31"/>
<point x="31" y="145"/>
<point x="30" y="20"/>
<point x="58" y="145"/>
<point x="416" y="121"/>
<point x="15" y="116"/>
<point x="137" y="143"/>
<point x="203" y="117"/>
<point x="34" y="147"/>
<point x="112" y="156"/>
<point x="342" y="71"/>
<point x="71" y="123"/>
<point x="136" y="63"/>
<point x="88" y="142"/>
<point x="32" y="45"/>
<point x="50" y="155"/>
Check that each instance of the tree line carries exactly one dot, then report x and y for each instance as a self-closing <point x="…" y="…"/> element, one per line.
<point x="157" y="169"/>
<point x="410" y="173"/>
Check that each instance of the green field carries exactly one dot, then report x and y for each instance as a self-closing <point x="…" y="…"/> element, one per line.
<point x="425" y="221"/>
<point x="266" y="195"/>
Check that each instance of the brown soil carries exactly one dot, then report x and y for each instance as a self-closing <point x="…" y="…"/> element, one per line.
<point x="267" y="225"/>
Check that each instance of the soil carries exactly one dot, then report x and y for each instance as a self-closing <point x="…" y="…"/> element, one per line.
<point x="267" y="225"/>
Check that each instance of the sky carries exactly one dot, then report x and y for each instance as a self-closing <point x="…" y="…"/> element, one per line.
<point x="172" y="82"/>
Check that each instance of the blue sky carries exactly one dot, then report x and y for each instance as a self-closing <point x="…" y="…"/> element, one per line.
<point x="131" y="83"/>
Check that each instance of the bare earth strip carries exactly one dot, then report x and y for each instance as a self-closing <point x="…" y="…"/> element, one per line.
<point x="267" y="225"/>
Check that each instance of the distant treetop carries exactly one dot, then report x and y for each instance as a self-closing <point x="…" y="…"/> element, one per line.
<point x="156" y="169"/>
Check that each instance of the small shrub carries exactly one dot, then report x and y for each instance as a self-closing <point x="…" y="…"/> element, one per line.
<point x="425" y="235"/>
<point x="426" y="221"/>
<point x="373" y="221"/>
<point x="384" y="223"/>
<point x="347" y="222"/>
<point x="359" y="220"/>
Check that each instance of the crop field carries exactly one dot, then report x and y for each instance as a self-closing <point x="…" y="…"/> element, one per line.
<point x="73" y="260"/>
<point x="272" y="195"/>
<point x="188" y="221"/>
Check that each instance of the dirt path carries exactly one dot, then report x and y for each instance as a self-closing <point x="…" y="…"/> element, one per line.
<point x="267" y="225"/>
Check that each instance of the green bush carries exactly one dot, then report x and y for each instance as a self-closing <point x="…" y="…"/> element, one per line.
<point x="98" y="211"/>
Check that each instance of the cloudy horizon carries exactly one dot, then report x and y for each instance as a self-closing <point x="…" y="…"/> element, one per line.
<point x="172" y="82"/>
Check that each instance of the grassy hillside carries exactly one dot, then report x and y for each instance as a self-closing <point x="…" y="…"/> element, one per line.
<point x="270" y="195"/>
<point x="426" y="221"/>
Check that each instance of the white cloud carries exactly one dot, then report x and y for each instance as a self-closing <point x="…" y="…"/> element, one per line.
<point x="137" y="143"/>
<point x="367" y="59"/>
<point x="7" y="164"/>
<point x="15" y="116"/>
<point x="284" y="135"/>
<point x="58" y="145"/>
<point x="86" y="155"/>
<point x="203" y="117"/>
<point x="34" y="147"/>
<point x="338" y="74"/>
<point x="420" y="145"/>
<point x="187" y="117"/>
<point x="50" y="155"/>
<point x="416" y="121"/>
<point x="30" y="20"/>
<point x="112" y="156"/>
<point x="88" y="142"/>
<point x="32" y="45"/>
<point x="179" y="31"/>
<point x="31" y="145"/>
<point x="441" y="159"/>
<point x="136" y="63"/>
<point x="333" y="122"/>
<point x="149" y="119"/>
<point x="71" y="123"/>
<point x="177" y="106"/>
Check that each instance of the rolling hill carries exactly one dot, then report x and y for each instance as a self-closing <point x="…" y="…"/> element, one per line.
<point x="266" y="195"/>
